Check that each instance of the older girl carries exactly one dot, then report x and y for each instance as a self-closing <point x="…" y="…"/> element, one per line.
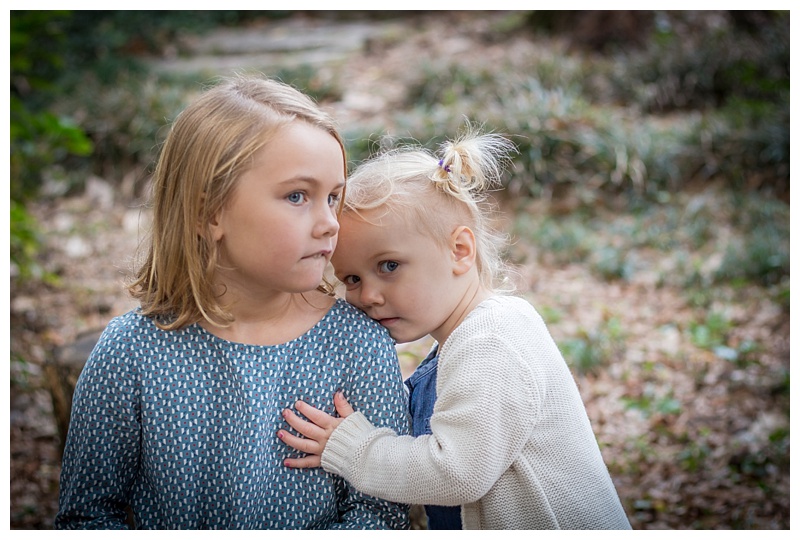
<point x="173" y="414"/>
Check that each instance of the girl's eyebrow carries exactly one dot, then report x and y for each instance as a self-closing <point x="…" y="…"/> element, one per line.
<point x="381" y="255"/>
<point x="307" y="180"/>
<point x="384" y="254"/>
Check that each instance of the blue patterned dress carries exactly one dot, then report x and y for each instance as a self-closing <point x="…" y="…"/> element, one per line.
<point x="181" y="426"/>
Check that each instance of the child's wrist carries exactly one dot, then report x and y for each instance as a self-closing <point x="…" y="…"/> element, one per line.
<point x="339" y="452"/>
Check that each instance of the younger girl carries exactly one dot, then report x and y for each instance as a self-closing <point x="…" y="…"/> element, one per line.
<point x="174" y="412"/>
<point x="507" y="444"/>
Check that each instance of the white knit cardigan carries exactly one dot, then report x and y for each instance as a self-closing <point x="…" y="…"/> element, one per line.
<point x="511" y="442"/>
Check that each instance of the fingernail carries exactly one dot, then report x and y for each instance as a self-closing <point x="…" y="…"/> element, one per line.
<point x="280" y="434"/>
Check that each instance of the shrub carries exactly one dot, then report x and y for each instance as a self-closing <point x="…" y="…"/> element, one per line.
<point x="761" y="252"/>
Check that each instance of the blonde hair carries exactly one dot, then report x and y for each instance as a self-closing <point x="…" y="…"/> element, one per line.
<point x="210" y="145"/>
<point x="437" y="192"/>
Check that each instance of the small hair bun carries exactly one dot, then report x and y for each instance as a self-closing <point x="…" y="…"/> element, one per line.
<point x="472" y="163"/>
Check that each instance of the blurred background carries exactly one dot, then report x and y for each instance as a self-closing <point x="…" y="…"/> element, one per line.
<point x="648" y="208"/>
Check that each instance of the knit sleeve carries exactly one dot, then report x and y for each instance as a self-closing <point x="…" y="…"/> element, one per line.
<point x="101" y="457"/>
<point x="481" y="421"/>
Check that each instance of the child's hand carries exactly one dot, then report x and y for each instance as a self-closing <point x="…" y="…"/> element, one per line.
<point x="315" y="433"/>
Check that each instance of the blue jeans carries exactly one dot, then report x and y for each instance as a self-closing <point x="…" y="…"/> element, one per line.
<point x="422" y="395"/>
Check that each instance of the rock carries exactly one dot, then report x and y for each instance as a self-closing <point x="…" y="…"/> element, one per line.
<point x="61" y="371"/>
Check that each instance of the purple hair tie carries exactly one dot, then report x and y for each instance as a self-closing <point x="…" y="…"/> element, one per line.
<point x="443" y="166"/>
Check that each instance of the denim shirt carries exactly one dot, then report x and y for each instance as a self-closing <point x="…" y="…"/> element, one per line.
<point x="422" y="395"/>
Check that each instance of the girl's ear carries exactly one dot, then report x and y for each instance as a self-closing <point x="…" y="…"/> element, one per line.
<point x="463" y="249"/>
<point x="213" y="226"/>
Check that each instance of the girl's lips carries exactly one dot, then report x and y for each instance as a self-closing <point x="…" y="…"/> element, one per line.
<point x="319" y="254"/>
<point x="388" y="321"/>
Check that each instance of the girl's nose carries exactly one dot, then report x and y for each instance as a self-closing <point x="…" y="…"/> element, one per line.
<point x="327" y="224"/>
<point x="369" y="295"/>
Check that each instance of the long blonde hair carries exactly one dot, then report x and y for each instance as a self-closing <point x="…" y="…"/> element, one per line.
<point x="210" y="145"/>
<point x="437" y="192"/>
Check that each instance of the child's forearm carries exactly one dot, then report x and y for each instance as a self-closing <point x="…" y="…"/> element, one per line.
<point x="413" y="470"/>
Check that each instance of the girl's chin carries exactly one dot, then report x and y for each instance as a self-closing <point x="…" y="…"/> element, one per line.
<point x="403" y="337"/>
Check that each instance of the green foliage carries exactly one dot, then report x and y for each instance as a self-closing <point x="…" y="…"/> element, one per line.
<point x="550" y="314"/>
<point x="38" y="141"/>
<point x="736" y="66"/>
<point x="563" y="139"/>
<point x="762" y="257"/>
<point x="24" y="239"/>
<point x="25" y="242"/>
<point x="707" y="239"/>
<point x="565" y="240"/>
<point x="20" y="376"/>
<point x="653" y="401"/>
<point x="590" y="350"/>
<point x="761" y="253"/>
<point x="698" y="61"/>
<point x="761" y="464"/>
<point x="613" y="263"/>
<point x="694" y="455"/>
<point x="62" y="58"/>
<point x="58" y="54"/>
<point x="561" y="109"/>
<point x="747" y="143"/>
<point x="39" y="138"/>
<point x="107" y="42"/>
<point x="741" y="356"/>
<point x="576" y="238"/>
<point x="449" y="85"/>
<point x="710" y="333"/>
<point x="669" y="226"/>
<point x="307" y="79"/>
<point x="37" y="43"/>
<point x="127" y="120"/>
<point x="728" y="81"/>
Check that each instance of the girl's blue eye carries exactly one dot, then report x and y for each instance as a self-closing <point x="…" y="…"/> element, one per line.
<point x="350" y="280"/>
<point x="296" y="197"/>
<point x="333" y="199"/>
<point x="388" y="266"/>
